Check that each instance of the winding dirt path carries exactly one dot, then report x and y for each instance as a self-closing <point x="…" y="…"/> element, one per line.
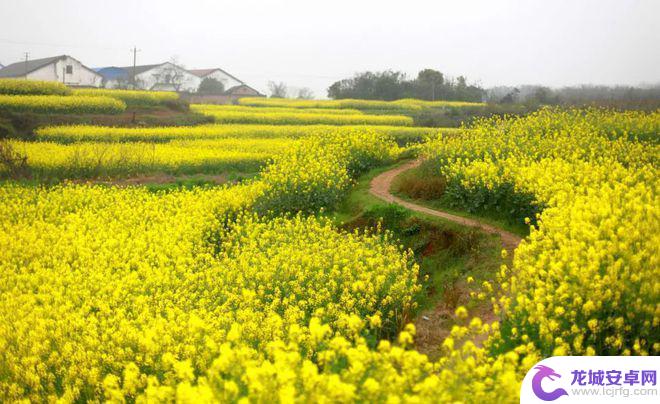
<point x="380" y="188"/>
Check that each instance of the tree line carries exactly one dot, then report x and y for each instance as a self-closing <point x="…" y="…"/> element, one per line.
<point x="576" y="95"/>
<point x="392" y="85"/>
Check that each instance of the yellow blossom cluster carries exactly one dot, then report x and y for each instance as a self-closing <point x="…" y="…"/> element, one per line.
<point x="317" y="171"/>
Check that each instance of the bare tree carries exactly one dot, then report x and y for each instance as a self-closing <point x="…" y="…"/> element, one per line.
<point x="172" y="74"/>
<point x="305" y="93"/>
<point x="277" y="90"/>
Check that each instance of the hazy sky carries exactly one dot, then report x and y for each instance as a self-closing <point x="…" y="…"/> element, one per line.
<point x="314" y="43"/>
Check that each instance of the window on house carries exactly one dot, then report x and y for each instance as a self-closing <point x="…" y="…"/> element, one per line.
<point x="69" y="69"/>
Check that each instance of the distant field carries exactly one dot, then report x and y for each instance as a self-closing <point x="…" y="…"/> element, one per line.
<point x="76" y="133"/>
<point x="268" y="110"/>
<point x="300" y="117"/>
<point x="404" y="104"/>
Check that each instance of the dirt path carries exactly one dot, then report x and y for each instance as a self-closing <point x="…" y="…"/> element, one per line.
<point x="380" y="188"/>
<point x="433" y="324"/>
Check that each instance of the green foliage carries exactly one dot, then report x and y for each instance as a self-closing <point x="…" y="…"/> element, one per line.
<point x="502" y="201"/>
<point x="392" y="85"/>
<point x="6" y="130"/>
<point x="391" y="216"/>
<point x="211" y="86"/>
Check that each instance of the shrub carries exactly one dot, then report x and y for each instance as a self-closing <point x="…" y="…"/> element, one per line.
<point x="6" y="130"/>
<point x="419" y="186"/>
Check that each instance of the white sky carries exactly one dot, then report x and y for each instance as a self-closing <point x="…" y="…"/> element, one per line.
<point x="314" y="43"/>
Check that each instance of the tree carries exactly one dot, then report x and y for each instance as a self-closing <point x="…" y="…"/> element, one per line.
<point x="277" y="90"/>
<point x="388" y="85"/>
<point x="429" y="84"/>
<point x="172" y="74"/>
<point x="544" y="96"/>
<point x="211" y="86"/>
<point x="510" y="97"/>
<point x="305" y="94"/>
<point x="392" y="85"/>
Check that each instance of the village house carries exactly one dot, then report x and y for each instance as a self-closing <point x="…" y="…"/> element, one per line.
<point x="232" y="85"/>
<point x="63" y="68"/>
<point x="158" y="77"/>
<point x="227" y="80"/>
<point x="243" y="90"/>
<point x="155" y="77"/>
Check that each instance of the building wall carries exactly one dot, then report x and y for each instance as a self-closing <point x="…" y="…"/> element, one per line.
<point x="210" y="98"/>
<point x="160" y="78"/>
<point x="226" y="80"/>
<point x="207" y="98"/>
<point x="79" y="76"/>
<point x="244" y="90"/>
<point x="112" y="84"/>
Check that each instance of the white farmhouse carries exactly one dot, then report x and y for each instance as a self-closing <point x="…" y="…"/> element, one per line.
<point x="160" y="77"/>
<point x="64" y="69"/>
<point x="227" y="80"/>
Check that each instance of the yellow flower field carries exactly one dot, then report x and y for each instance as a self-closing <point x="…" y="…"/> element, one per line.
<point x="267" y="110"/>
<point x="124" y="292"/>
<point x="74" y="133"/>
<point x="32" y="87"/>
<point x="299" y="117"/>
<point x="586" y="279"/>
<point x="246" y="293"/>
<point x="404" y="104"/>
<point x="108" y="160"/>
<point x="61" y="104"/>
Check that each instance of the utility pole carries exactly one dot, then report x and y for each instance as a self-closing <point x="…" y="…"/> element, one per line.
<point x="135" y="50"/>
<point x="27" y="54"/>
